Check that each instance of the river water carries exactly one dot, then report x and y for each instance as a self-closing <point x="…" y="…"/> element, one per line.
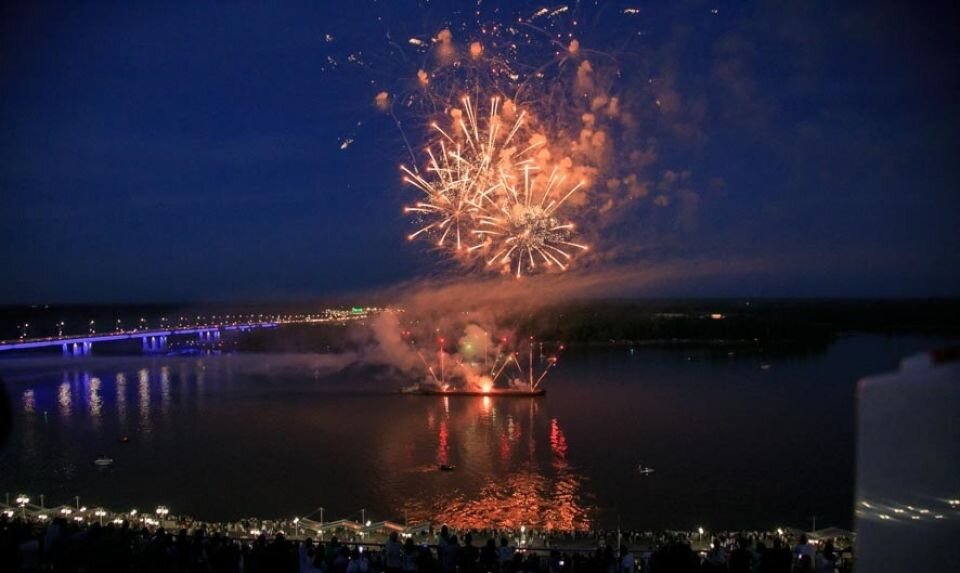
<point x="736" y="441"/>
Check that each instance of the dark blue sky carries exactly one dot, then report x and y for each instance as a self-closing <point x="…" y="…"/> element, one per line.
<point x="191" y="151"/>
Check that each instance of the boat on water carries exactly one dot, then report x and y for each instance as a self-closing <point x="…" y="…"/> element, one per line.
<point x="103" y="461"/>
<point x="507" y="392"/>
<point x="447" y="467"/>
<point x="645" y="470"/>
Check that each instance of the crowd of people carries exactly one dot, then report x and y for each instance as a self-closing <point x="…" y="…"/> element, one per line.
<point x="63" y="546"/>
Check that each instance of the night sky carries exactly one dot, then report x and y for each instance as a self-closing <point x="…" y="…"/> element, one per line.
<point x="191" y="151"/>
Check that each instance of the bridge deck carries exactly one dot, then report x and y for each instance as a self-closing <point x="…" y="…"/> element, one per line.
<point x="125" y="335"/>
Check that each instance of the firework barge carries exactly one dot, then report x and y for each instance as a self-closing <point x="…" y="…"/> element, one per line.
<point x="506" y="392"/>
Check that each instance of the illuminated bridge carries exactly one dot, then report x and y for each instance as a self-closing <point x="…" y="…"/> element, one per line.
<point x="154" y="340"/>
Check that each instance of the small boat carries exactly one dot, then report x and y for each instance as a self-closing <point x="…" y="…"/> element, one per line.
<point x="447" y="467"/>
<point x="125" y="439"/>
<point x="103" y="461"/>
<point x="644" y="470"/>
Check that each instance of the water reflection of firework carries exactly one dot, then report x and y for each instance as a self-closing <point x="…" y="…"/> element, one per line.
<point x="514" y="464"/>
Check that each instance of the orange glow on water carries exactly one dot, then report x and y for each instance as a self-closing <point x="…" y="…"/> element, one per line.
<point x="541" y="489"/>
<point x="442" y="443"/>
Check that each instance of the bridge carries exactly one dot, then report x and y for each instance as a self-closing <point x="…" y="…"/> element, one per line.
<point x="153" y="340"/>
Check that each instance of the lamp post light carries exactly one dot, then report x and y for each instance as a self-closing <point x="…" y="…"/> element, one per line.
<point x="92" y="327"/>
<point x="162" y="512"/>
<point x="296" y="524"/>
<point x="60" y="329"/>
<point x="700" y="536"/>
<point x="22" y="501"/>
<point x="100" y="514"/>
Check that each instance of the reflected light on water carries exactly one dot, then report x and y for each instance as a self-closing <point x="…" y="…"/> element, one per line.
<point x="540" y="493"/>
<point x="29" y="402"/>
<point x="64" y="399"/>
<point x="165" y="390"/>
<point x="94" y="400"/>
<point x="143" y="388"/>
<point x="442" y="445"/>
<point x="121" y="393"/>
<point x="558" y="444"/>
<point x="524" y="498"/>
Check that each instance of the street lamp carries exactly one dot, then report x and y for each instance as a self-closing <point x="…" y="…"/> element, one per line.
<point x="296" y="524"/>
<point x="100" y="514"/>
<point x="700" y="535"/>
<point x="22" y="501"/>
<point x="162" y="511"/>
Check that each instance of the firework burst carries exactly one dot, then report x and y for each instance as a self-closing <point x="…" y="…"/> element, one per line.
<point x="480" y="193"/>
<point x="522" y="228"/>
<point x="460" y="165"/>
